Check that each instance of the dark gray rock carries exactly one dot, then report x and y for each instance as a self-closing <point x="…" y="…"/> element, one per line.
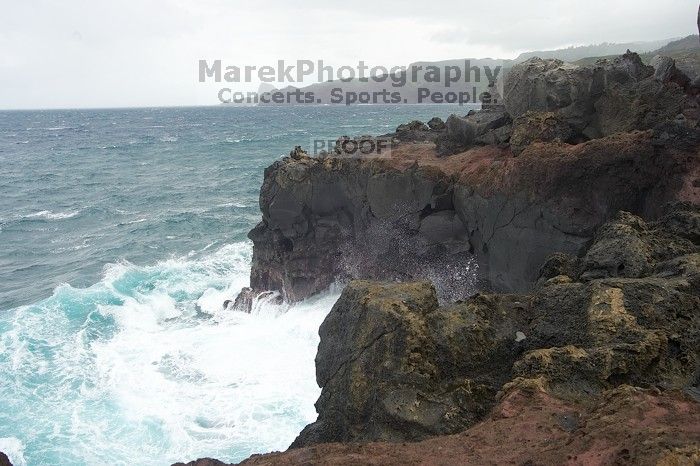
<point x="614" y="95"/>
<point x="478" y="127"/>
<point x="244" y="300"/>
<point x="337" y="218"/>
<point x="4" y="460"/>
<point x="436" y="124"/>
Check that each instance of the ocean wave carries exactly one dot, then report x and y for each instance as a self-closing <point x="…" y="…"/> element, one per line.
<point x="49" y="215"/>
<point x="240" y="205"/>
<point x="237" y="140"/>
<point x="147" y="367"/>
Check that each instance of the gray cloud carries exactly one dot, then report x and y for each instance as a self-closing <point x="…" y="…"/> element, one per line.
<point x="93" y="53"/>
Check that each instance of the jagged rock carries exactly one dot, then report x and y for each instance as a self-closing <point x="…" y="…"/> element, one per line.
<point x="339" y="218"/>
<point x="665" y="71"/>
<point x="538" y="85"/>
<point x="676" y="134"/>
<point x="556" y="266"/>
<point x="460" y="134"/>
<point x="362" y="146"/>
<point x="298" y="153"/>
<point x="619" y="250"/>
<point x="414" y="125"/>
<point x="416" y="131"/>
<point x="492" y="99"/>
<point x="611" y="96"/>
<point x="244" y="300"/>
<point x="499" y="137"/>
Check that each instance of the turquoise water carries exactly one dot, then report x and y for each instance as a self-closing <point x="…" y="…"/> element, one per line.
<point x="122" y="232"/>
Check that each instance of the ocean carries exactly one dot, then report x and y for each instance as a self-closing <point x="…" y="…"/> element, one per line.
<point x="121" y="234"/>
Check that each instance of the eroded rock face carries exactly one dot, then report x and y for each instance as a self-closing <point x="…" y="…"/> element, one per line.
<point x="395" y="365"/>
<point x="334" y="218"/>
<point x="503" y="190"/>
<point x="396" y="219"/>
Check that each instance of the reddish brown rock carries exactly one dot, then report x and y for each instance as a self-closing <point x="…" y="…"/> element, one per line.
<point x="528" y="426"/>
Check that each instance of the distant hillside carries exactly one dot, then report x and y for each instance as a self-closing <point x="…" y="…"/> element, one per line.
<point x="572" y="54"/>
<point x="685" y="51"/>
<point x="681" y="45"/>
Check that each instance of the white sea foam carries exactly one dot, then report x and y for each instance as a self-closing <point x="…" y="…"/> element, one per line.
<point x="240" y="205"/>
<point x="146" y="367"/>
<point x="49" y="215"/>
<point x="14" y="449"/>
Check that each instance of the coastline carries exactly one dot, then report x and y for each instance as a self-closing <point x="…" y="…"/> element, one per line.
<point x="610" y="202"/>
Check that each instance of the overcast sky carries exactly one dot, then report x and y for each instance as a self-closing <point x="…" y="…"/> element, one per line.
<point x="120" y="53"/>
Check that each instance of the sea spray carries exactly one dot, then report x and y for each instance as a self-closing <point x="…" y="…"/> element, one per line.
<point x="146" y="367"/>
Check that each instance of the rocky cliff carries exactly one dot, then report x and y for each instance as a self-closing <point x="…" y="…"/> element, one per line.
<point x="599" y="364"/>
<point x="571" y="148"/>
<point x="394" y="365"/>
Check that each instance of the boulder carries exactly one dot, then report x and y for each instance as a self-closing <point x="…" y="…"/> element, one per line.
<point x="414" y="125"/>
<point x="665" y="71"/>
<point x="393" y="366"/>
<point x="417" y="131"/>
<point x="436" y="124"/>
<point x="243" y="302"/>
<point x="478" y="127"/>
<point x="538" y="85"/>
<point x="540" y="127"/>
<point x="298" y="153"/>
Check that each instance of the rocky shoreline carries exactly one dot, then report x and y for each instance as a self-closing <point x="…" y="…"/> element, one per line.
<point x="524" y="281"/>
